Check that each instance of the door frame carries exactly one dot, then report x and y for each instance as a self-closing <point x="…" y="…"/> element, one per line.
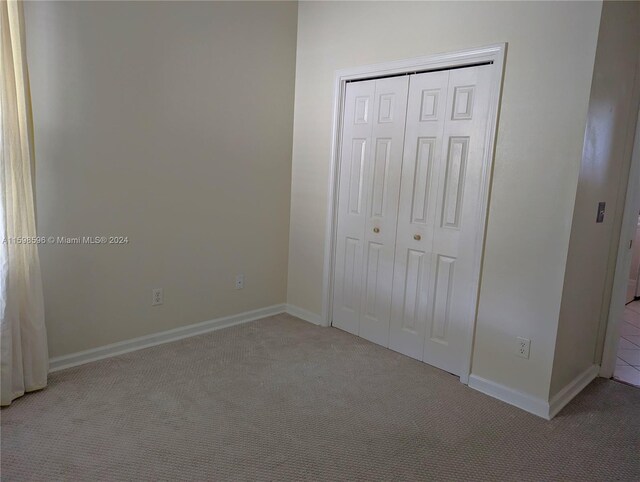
<point x="623" y="260"/>
<point x="493" y="54"/>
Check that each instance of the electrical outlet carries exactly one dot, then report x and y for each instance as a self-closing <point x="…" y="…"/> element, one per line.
<point x="157" y="296"/>
<point x="239" y="281"/>
<point x="523" y="347"/>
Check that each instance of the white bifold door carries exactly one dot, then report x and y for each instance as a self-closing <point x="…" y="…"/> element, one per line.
<point x="407" y="228"/>
<point x="371" y="164"/>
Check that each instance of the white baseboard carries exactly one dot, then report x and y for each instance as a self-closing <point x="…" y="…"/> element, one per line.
<point x="575" y="386"/>
<point x="82" y="357"/>
<point x="303" y="314"/>
<point x="535" y="405"/>
<point x="531" y="404"/>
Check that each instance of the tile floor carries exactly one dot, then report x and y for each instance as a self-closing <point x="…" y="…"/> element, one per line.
<point x="628" y="361"/>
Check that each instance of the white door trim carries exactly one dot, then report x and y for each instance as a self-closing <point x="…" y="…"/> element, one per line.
<point x="494" y="54"/>
<point x="623" y="262"/>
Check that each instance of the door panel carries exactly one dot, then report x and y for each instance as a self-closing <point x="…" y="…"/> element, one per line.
<point x="382" y="206"/>
<point x="351" y="273"/>
<point x="442" y="164"/>
<point x="380" y="176"/>
<point x="417" y="212"/>
<point x="371" y="299"/>
<point x="417" y="270"/>
<point x="367" y="206"/>
<point x="454" y="181"/>
<point x="356" y="175"/>
<point x="458" y="227"/>
<point x="356" y="146"/>
<point x="422" y="179"/>
<point x="442" y="299"/>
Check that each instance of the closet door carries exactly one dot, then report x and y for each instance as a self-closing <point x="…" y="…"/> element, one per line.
<point x="417" y="213"/>
<point x="354" y="166"/>
<point x="368" y="205"/>
<point x="438" y="224"/>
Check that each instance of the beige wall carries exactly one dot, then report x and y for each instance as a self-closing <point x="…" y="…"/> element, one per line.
<point x="169" y="123"/>
<point x="608" y="143"/>
<point x="545" y="100"/>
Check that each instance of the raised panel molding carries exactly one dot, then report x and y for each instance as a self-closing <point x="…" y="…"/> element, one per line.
<point x="361" y="110"/>
<point x="373" y="270"/>
<point x="349" y="281"/>
<point x="454" y="181"/>
<point x="422" y="179"/>
<point x="380" y="174"/>
<point x="357" y="172"/>
<point x="385" y="108"/>
<point x="429" y="105"/>
<point x="412" y="289"/>
<point x="463" y="103"/>
<point x="442" y="298"/>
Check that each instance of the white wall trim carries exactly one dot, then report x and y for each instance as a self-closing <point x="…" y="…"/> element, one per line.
<point x="529" y="403"/>
<point x="493" y="53"/>
<point x="303" y="314"/>
<point x="126" y="346"/>
<point x="535" y="405"/>
<point x="575" y="386"/>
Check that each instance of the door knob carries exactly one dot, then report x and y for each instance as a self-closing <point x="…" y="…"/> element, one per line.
<point x="376" y="230"/>
<point x="417" y="237"/>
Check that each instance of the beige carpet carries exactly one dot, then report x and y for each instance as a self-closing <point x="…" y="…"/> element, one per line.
<point x="280" y="399"/>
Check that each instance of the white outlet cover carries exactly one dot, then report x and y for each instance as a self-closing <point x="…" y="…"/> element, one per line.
<point x="157" y="296"/>
<point x="239" y="281"/>
<point x="523" y="347"/>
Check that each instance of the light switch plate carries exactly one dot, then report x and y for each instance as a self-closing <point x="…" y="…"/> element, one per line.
<point x="600" y="216"/>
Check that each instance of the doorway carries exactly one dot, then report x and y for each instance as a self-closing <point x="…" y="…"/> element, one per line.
<point x="621" y="356"/>
<point x="627" y="368"/>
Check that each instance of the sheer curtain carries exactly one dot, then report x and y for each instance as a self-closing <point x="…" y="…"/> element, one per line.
<point x="23" y="339"/>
